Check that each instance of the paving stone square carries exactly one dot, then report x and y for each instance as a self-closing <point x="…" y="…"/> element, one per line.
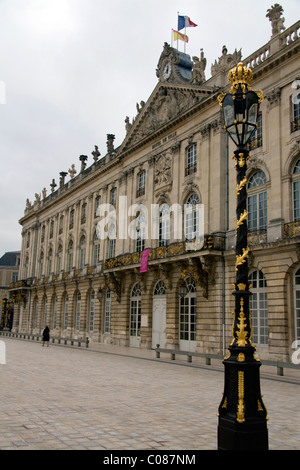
<point x="67" y="398"/>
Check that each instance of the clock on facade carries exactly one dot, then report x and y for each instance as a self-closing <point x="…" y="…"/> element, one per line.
<point x="167" y="71"/>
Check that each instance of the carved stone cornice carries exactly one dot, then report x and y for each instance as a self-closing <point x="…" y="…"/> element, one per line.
<point x="274" y="97"/>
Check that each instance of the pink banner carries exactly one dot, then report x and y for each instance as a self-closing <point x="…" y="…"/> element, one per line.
<point x="144" y="261"/>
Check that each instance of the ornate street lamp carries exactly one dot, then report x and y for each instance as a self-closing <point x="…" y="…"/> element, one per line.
<point x="182" y="290"/>
<point x="242" y="414"/>
<point x="6" y="316"/>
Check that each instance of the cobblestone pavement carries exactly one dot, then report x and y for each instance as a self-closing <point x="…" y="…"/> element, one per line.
<point x="70" y="398"/>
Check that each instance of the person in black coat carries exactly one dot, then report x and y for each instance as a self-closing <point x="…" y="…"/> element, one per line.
<point x="46" y="336"/>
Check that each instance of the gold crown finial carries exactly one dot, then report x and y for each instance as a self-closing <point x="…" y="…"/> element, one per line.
<point x="239" y="75"/>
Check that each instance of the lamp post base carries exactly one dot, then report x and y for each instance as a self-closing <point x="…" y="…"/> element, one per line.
<point x="242" y="414"/>
<point x="245" y="436"/>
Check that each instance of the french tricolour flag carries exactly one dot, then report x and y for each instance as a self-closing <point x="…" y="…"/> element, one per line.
<point x="185" y="22"/>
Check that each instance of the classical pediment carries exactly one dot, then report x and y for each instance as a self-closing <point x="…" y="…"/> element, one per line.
<point x="166" y="103"/>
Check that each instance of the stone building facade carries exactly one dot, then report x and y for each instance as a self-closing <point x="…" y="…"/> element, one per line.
<point x="175" y="155"/>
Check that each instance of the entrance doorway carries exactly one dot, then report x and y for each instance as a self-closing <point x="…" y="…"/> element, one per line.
<point x="187" y="318"/>
<point x="159" y="315"/>
<point x="135" y="316"/>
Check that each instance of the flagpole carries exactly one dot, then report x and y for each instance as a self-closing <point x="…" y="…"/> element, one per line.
<point x="177" y="27"/>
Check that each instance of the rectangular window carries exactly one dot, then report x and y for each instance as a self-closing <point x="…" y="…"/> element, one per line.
<point x="296" y="200"/>
<point x="96" y="253"/>
<point x="97" y="206"/>
<point x="78" y="307"/>
<point x="295" y="124"/>
<point x="113" y="197"/>
<point x="297" y="316"/>
<point x="71" y="221"/>
<point x="191" y="160"/>
<point x="61" y="224"/>
<point x="188" y="318"/>
<point x="257" y="212"/>
<point x="55" y="312"/>
<point x="70" y="261"/>
<point x="66" y="312"/>
<point x="92" y="311"/>
<point x="256" y="138"/>
<point x="82" y="258"/>
<point x="259" y="308"/>
<point x="107" y="312"/>
<point x="141" y="184"/>
<point x="111" y="248"/>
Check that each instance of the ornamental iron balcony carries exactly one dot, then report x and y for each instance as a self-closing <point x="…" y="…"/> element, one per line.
<point x="291" y="230"/>
<point x="215" y="241"/>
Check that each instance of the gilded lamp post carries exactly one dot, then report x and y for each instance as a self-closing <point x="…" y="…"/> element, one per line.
<point x="242" y="414"/>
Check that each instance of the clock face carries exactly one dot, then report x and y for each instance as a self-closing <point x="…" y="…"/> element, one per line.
<point x="167" y="71"/>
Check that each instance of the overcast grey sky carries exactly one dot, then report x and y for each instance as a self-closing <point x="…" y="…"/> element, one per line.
<point x="74" y="69"/>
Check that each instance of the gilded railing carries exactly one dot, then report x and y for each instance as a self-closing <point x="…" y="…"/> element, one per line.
<point x="212" y="242"/>
<point x="291" y="230"/>
<point x="255" y="237"/>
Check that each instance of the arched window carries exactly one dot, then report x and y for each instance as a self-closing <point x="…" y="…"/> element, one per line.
<point x="257" y="202"/>
<point x="297" y="304"/>
<point x="191" y="218"/>
<point x="160" y="288"/>
<point x="259" y="308"/>
<point x="92" y="310"/>
<point x="187" y="317"/>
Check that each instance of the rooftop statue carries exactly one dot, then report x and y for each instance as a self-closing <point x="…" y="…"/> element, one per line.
<point x="274" y="14"/>
<point x="198" y="75"/>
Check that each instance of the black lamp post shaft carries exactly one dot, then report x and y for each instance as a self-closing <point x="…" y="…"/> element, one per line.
<point x="242" y="414"/>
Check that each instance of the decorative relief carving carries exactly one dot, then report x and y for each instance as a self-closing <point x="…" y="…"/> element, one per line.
<point x="273" y="97"/>
<point x="163" y="170"/>
<point x="226" y="61"/>
<point x="166" y="105"/>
